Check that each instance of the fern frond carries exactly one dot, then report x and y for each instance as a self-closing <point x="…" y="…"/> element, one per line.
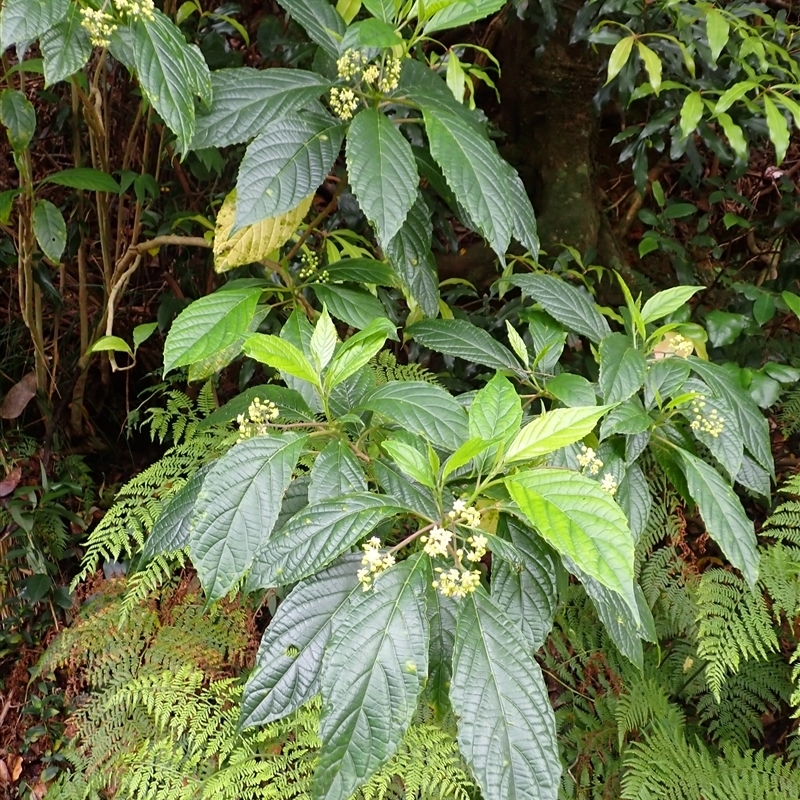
<point x="386" y="370"/>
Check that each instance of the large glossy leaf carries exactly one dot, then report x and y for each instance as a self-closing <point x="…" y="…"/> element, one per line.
<point x="409" y="252"/>
<point x="528" y="592"/>
<point x="553" y="430"/>
<point x="336" y="472"/>
<point x="254" y="242"/>
<point x="622" y="368"/>
<point x="722" y="512"/>
<point x="356" y="307"/>
<point x="50" y="229"/>
<point x="65" y="47"/>
<point x="457" y="337"/>
<point x="423" y="409"/>
<point x="407" y="492"/>
<point x="289" y="659"/>
<point x="461" y="12"/>
<point x="171" y="531"/>
<point x="18" y="116"/>
<point x="580" y="520"/>
<point x="245" y="101"/>
<point x="382" y="171"/>
<point x="316" y="535"/>
<point x="321" y="22"/>
<point x="372" y="675"/>
<point x="209" y="324"/>
<point x="471" y="166"/>
<point x="285" y="164"/>
<point x="506" y="728"/>
<point x="571" y="307"/>
<point x="26" y="20"/>
<point x="237" y="508"/>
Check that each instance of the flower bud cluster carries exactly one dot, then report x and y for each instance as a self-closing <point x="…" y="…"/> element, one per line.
<point x="136" y="9"/>
<point x="343" y="102"/>
<point x="351" y="64"/>
<point x="354" y="66"/>
<point x="99" y="25"/>
<point x="455" y="583"/>
<point x="256" y="421"/>
<point x="468" y="515"/>
<point x="391" y="75"/>
<point x="588" y="461"/>
<point x="609" y="484"/>
<point x="374" y="562"/>
<point x="310" y="263"/>
<point x="711" y="423"/>
<point x="681" y="346"/>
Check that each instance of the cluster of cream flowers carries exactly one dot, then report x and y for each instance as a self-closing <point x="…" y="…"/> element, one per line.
<point x="588" y="460"/>
<point x="136" y="9"/>
<point x="374" y="562"/>
<point x="100" y="25"/>
<point x="609" y="484"/>
<point x="256" y="421"/>
<point x="712" y="423"/>
<point x="354" y="66"/>
<point x="681" y="346"/>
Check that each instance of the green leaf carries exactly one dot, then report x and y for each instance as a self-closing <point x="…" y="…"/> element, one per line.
<point x="718" y="30"/>
<point x="320" y="21"/>
<point x="468" y="451"/>
<point x="553" y="430"/>
<point x="580" y="520"/>
<point x="289" y="658"/>
<point x="422" y="408"/>
<point x="281" y="355"/>
<point x="323" y="340"/>
<point x="628" y="418"/>
<point x="316" y="535"/>
<point x="471" y="165"/>
<point x="764" y="390"/>
<point x="362" y="270"/>
<point x="793" y="301"/>
<point x="652" y="64"/>
<point x="457" y="337"/>
<point x="50" y="230"/>
<point x="358" y="350"/>
<point x="336" y="472"/>
<point x="572" y="390"/>
<point x="246" y="101"/>
<point x="380" y="9"/>
<point x="461" y="12"/>
<point x="410" y="460"/>
<point x="111" y="343"/>
<point x="372" y="676"/>
<point x="778" y="129"/>
<point x="237" y="508"/>
<point x="622" y="368"/>
<point x="374" y="33"/>
<point x="93" y="180"/>
<point x="409" y="252"/>
<point x="382" y="171"/>
<point x="691" y="113"/>
<point x="285" y="164"/>
<point x="735" y="135"/>
<point x="723" y="515"/>
<point x="667" y="302"/>
<point x="442" y="612"/>
<point x="356" y="307"/>
<point x="506" y="728"/>
<point x="524" y="221"/>
<point x="141" y="333"/>
<point x="19" y="118"/>
<point x="171" y="73"/>
<point x="754" y="477"/>
<point x="619" y="57"/>
<point x="171" y="530"/>
<point x="26" y="20"/>
<point x="633" y="496"/>
<point x="208" y="325"/>
<point x="736" y="92"/>
<point x="65" y="47"/>
<point x="518" y="345"/>
<point x="528" y="592"/>
<point x="570" y="306"/>
<point x="407" y="492"/>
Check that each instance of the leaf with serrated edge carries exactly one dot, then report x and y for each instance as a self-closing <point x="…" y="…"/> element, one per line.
<point x="506" y="725"/>
<point x="581" y="520"/>
<point x="316" y="535"/>
<point x="237" y="508"/>
<point x="407" y="492"/>
<point x="462" y="12"/>
<point x="320" y="20"/>
<point x="18" y="116"/>
<point x="553" y="430"/>
<point x="323" y="340"/>
<point x="209" y="324"/>
<point x="26" y="20"/>
<point x="336" y="472"/>
<point x="382" y="171"/>
<point x="358" y="350"/>
<point x="372" y="676"/>
<point x="281" y="355"/>
<point x="281" y="682"/>
<point x="442" y="612"/>
<point x="622" y="368"/>
<point x="65" y="47"/>
<point x="496" y="409"/>
<point x="355" y="306"/>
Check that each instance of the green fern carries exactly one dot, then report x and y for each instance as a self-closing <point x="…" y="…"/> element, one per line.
<point x="789" y="414"/>
<point x="386" y="370"/>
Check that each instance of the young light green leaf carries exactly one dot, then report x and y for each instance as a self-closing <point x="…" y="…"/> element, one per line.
<point x="718" y="30"/>
<point x="736" y="92"/>
<point x="652" y="64"/>
<point x="422" y="408"/>
<point x="356" y="307"/>
<point x="665" y="303"/>
<point x="507" y="730"/>
<point x="383" y="10"/>
<point x="315" y="536"/>
<point x="358" y="350"/>
<point x="496" y="410"/>
<point x="93" y="180"/>
<point x="285" y="164"/>
<point x="373" y="672"/>
<point x="141" y="333"/>
<point x="411" y="461"/>
<point x="518" y="345"/>
<point x="461" y="12"/>
<point x="289" y="658"/>
<point x="19" y="118"/>
<point x="246" y="101"/>
<point x="619" y="57"/>
<point x="336" y="472"/>
<point x="208" y="325"/>
<point x="471" y="449"/>
<point x="348" y="9"/>
<point x="456" y="77"/>
<point x="26" y="20"/>
<point x="581" y="520"/>
<point x="457" y="337"/>
<point x="622" y="368"/>
<point x="778" y="129"/>
<point x="572" y="390"/>
<point x="50" y="229"/>
<point x="323" y="340"/>
<point x="722" y="512"/>
<point x="65" y="47"/>
<point x="237" y="508"/>
<point x="281" y="355"/>
<point x="382" y="171"/>
<point x="691" y="113"/>
<point x="110" y="343"/>
<point x="553" y="430"/>
<point x="793" y="301"/>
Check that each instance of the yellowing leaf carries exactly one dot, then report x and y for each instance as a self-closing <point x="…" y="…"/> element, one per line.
<point x="652" y="63"/>
<point x="255" y="242"/>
